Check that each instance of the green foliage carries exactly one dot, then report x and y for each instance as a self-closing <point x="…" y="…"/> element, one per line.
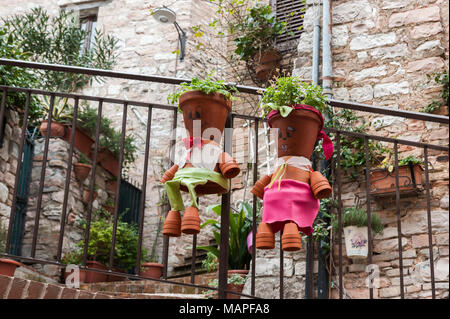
<point x="83" y="159"/>
<point x="100" y="239"/>
<point x="410" y="160"/>
<point x="210" y="263"/>
<point x="442" y="79"/>
<point x="10" y="48"/>
<point x="3" y="235"/>
<point x="286" y="91"/>
<point x="206" y="85"/>
<point x="257" y="32"/>
<point x="60" y="40"/>
<point x="61" y="109"/>
<point x="353" y="216"/>
<point x="240" y="226"/>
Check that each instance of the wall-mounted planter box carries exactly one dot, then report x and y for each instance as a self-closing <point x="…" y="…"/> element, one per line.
<point x="383" y="183"/>
<point x="82" y="141"/>
<point x="108" y="161"/>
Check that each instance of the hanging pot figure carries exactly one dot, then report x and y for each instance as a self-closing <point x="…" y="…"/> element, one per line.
<point x="291" y="193"/>
<point x="203" y="167"/>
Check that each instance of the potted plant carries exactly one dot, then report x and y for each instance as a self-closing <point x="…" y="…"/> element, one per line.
<point x="111" y="185"/>
<point x="292" y="192"/>
<point x="151" y="267"/>
<point x="235" y="283"/>
<point x="354" y="224"/>
<point x="256" y="43"/>
<point x="60" y="116"/>
<point x="82" y="168"/>
<point x="383" y="179"/>
<point x="108" y="205"/>
<point x="83" y="140"/>
<point x="240" y="227"/>
<point x="7" y="266"/>
<point x="85" y="196"/>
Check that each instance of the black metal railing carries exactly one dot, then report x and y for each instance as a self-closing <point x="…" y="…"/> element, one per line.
<point x="223" y="245"/>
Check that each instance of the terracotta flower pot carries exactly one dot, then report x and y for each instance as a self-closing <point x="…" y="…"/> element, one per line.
<point x="356" y="242"/>
<point x="382" y="182"/>
<point x="235" y="287"/>
<point x="8" y="267"/>
<point x="152" y="270"/>
<point x="108" y="208"/>
<point x="211" y="110"/>
<point x="297" y="132"/>
<point x="87" y="276"/>
<point x="169" y="174"/>
<point x="108" y="161"/>
<point x="56" y="130"/>
<point x="267" y="63"/>
<point x="114" y="278"/>
<point x="86" y="196"/>
<point x="82" y="141"/>
<point x="172" y="224"/>
<point x="258" y="189"/>
<point x="82" y="171"/>
<point x="111" y="186"/>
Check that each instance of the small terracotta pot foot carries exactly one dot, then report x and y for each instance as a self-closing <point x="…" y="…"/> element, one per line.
<point x="172" y="224"/>
<point x="291" y="239"/>
<point x="265" y="238"/>
<point x="320" y="186"/>
<point x="228" y="166"/>
<point x="190" y="224"/>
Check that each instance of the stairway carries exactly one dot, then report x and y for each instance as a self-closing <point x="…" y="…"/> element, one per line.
<point x="149" y="289"/>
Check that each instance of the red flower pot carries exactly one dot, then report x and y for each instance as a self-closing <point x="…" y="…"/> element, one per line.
<point x="8" y="267"/>
<point x="108" y="161"/>
<point x="86" y="196"/>
<point x="114" y="278"/>
<point x="94" y="276"/>
<point x="56" y="130"/>
<point x="82" y="141"/>
<point x="152" y="270"/>
<point x="235" y="287"/>
<point x="82" y="170"/>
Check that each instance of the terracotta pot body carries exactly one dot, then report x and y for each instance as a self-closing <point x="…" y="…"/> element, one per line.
<point x="86" y="196"/>
<point x="297" y="132"/>
<point x="111" y="186"/>
<point x="383" y="182"/>
<point x="108" y="208"/>
<point x="82" y="170"/>
<point x="82" y="141"/>
<point x="258" y="189"/>
<point x="169" y="174"/>
<point x="211" y="110"/>
<point x="267" y="63"/>
<point x="320" y="186"/>
<point x="152" y="270"/>
<point x="8" y="267"/>
<point x="56" y="129"/>
<point x="114" y="278"/>
<point x="265" y="238"/>
<point x="190" y="223"/>
<point x="87" y="276"/>
<point x="108" y="161"/>
<point x="356" y="242"/>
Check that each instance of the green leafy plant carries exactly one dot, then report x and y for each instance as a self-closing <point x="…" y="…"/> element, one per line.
<point x="10" y="48"/>
<point x="240" y="226"/>
<point x="287" y="91"/>
<point x="60" y="40"/>
<point x="206" y="85"/>
<point x="353" y="216"/>
<point x="257" y="32"/>
<point x="410" y="160"/>
<point x="83" y="159"/>
<point x="442" y="79"/>
<point x="210" y="262"/>
<point x="61" y="109"/>
<point x="388" y="162"/>
<point x="234" y="279"/>
<point x="3" y="235"/>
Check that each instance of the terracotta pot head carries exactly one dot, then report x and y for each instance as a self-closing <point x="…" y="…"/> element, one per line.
<point x="208" y="111"/>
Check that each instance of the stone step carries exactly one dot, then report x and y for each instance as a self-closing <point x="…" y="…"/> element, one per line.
<point x="150" y="287"/>
<point x="123" y="295"/>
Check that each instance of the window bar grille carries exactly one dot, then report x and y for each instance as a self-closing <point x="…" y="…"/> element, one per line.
<point x="19" y="162"/>
<point x="144" y="190"/>
<point x="67" y="182"/>
<point x="430" y="236"/>
<point x="92" y="183"/>
<point x="119" y="179"/>
<point x="399" y="222"/>
<point x="42" y="179"/>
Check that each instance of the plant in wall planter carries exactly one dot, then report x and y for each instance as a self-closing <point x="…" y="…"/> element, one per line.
<point x="355" y="226"/>
<point x="85" y="197"/>
<point x="109" y="206"/>
<point x="111" y="185"/>
<point x="60" y="116"/>
<point x="292" y="192"/>
<point x="383" y="180"/>
<point x="256" y="44"/>
<point x="235" y="283"/>
<point x="203" y="168"/>
<point x="82" y="168"/>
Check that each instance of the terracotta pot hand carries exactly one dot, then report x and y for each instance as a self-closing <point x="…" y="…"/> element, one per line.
<point x="258" y="189"/>
<point x="320" y="186"/>
<point x="228" y="166"/>
<point x="169" y="174"/>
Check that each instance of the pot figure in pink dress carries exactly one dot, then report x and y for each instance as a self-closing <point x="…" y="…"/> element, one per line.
<point x="291" y="193"/>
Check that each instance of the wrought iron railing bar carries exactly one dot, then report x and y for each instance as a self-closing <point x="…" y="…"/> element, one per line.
<point x="225" y="220"/>
<point x="42" y="178"/>
<point x="310" y="267"/>
<point x="67" y="182"/>
<point x="430" y="234"/>
<point x="92" y="183"/>
<point x="369" y="212"/>
<point x="194" y="256"/>
<point x="339" y="209"/>
<point x="19" y="165"/>
<point x="144" y="191"/>
<point x="3" y="109"/>
<point x="119" y="179"/>
<point x="387" y="139"/>
<point x="254" y="209"/>
<point x="399" y="222"/>
<point x="281" y="267"/>
<point x="166" y="239"/>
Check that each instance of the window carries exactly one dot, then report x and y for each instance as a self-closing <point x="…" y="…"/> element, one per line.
<point x="88" y="23"/>
<point x="290" y="11"/>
